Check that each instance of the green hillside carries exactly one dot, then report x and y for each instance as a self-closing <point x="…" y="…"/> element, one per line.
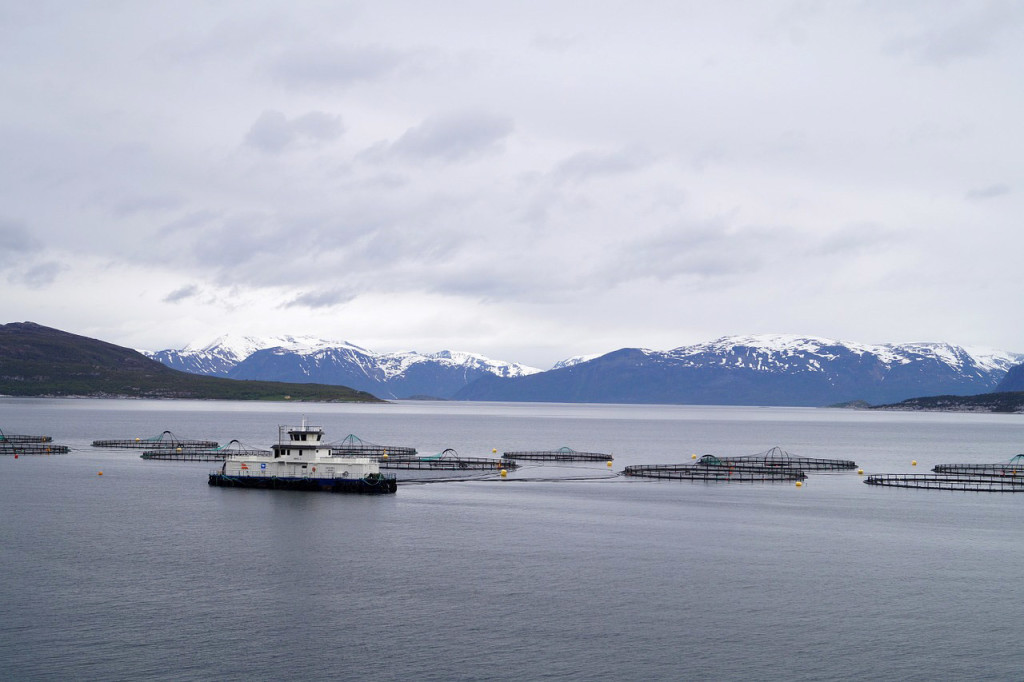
<point x="41" y="361"/>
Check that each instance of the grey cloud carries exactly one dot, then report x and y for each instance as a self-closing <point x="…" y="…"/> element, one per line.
<point x="852" y="239"/>
<point x="701" y="252"/>
<point x="320" y="299"/>
<point x="990" y="192"/>
<point x="42" y="275"/>
<point x="454" y="136"/>
<point x="14" y="237"/>
<point x="145" y="204"/>
<point x="973" y="34"/>
<point x="339" y="65"/>
<point x="273" y="131"/>
<point x="182" y="293"/>
<point x="191" y="221"/>
<point x="588" y="164"/>
<point x="557" y="43"/>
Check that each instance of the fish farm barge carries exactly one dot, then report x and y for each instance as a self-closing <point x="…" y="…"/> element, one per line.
<point x="560" y="455"/>
<point x="204" y="454"/>
<point x="165" y="441"/>
<point x="1015" y="467"/>
<point x="779" y="458"/>
<point x="967" y="482"/>
<point x="449" y="460"/>
<point x="371" y="484"/>
<point x="354" y="445"/>
<point x="726" y="474"/>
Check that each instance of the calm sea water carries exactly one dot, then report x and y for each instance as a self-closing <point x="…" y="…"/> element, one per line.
<point x="147" y="573"/>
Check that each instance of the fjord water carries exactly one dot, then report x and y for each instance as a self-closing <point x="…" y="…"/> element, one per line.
<point x="146" y="572"/>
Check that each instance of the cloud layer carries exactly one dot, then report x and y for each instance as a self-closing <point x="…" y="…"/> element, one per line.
<point x="527" y="182"/>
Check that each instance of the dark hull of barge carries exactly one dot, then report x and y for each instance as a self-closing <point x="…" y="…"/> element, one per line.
<point x="375" y="485"/>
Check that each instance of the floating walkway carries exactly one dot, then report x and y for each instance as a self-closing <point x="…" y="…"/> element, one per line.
<point x="1015" y="467"/>
<point x="448" y="460"/>
<point x="970" y="482"/>
<point x="354" y="445"/>
<point x="748" y="473"/>
<point x="204" y="454"/>
<point x="562" y="454"/>
<point x="165" y="441"/>
<point x="779" y="458"/>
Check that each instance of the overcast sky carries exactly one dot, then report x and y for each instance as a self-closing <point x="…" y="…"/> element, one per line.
<point x="526" y="180"/>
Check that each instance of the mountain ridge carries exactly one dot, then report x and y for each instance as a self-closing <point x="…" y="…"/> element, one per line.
<point x="400" y="374"/>
<point x="763" y="369"/>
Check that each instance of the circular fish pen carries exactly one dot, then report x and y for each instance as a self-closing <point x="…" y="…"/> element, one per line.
<point x="563" y="454"/>
<point x="20" y="438"/>
<point x="1015" y="467"/>
<point x="19" y="444"/>
<point x="165" y="441"/>
<point x="204" y="454"/>
<point x="779" y="458"/>
<point x="26" y="448"/>
<point x="353" y="445"/>
<point x="719" y="474"/>
<point x="965" y="482"/>
<point x="448" y="460"/>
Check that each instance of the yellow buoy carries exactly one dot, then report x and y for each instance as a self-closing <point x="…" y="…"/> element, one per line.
<point x="860" y="472"/>
<point x="137" y="440"/>
<point x="799" y="484"/>
<point x="384" y="456"/>
<point x="609" y="463"/>
<point x="693" y="456"/>
<point x="913" y="462"/>
<point x="504" y="473"/>
<point x="493" y="450"/>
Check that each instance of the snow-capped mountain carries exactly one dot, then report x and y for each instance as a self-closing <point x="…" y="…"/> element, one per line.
<point x="575" y="360"/>
<point x="221" y="355"/>
<point x="762" y="370"/>
<point x="313" y="360"/>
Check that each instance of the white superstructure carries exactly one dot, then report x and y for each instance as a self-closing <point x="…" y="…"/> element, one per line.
<point x="303" y="455"/>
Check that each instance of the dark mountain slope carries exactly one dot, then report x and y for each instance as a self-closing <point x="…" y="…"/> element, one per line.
<point x="41" y="361"/>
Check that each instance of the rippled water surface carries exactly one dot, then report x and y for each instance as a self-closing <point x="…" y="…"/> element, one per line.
<point x="146" y="572"/>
